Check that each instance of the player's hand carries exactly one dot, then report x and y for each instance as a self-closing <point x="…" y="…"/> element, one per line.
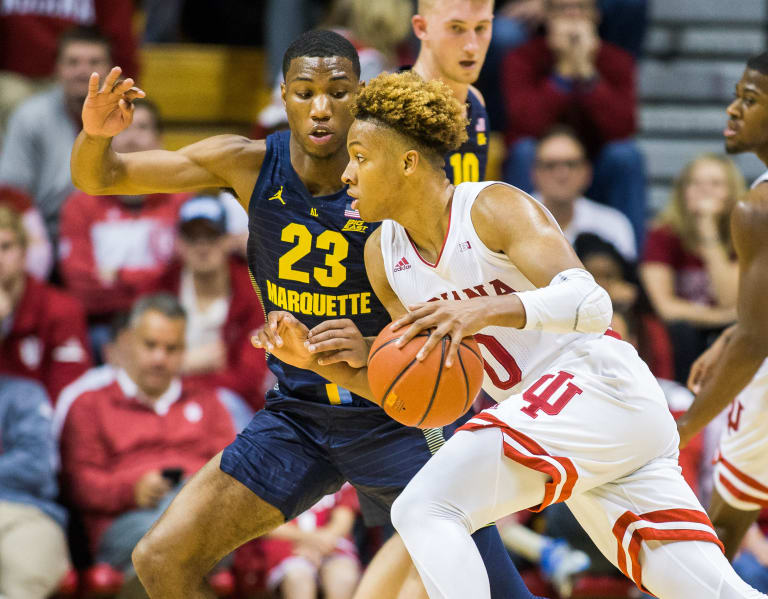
<point x="109" y="110"/>
<point x="150" y="489"/>
<point x="457" y="319"/>
<point x="283" y="336"/>
<point x="705" y="364"/>
<point x="338" y="340"/>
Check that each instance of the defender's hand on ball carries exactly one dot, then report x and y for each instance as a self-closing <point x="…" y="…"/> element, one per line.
<point x="456" y="319"/>
<point x="283" y="336"/>
<point x="339" y="340"/>
<point x="109" y="110"/>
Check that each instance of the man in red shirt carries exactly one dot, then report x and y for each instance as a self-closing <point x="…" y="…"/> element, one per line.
<point x="222" y="310"/>
<point x="569" y="76"/>
<point x="126" y="446"/>
<point x="113" y="247"/>
<point x="42" y="329"/>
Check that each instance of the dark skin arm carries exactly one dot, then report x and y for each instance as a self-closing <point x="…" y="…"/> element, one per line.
<point x="507" y="221"/>
<point x="330" y="347"/>
<point x="220" y="161"/>
<point x="747" y="345"/>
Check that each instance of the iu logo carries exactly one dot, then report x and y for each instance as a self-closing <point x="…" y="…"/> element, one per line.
<point x="540" y="400"/>
<point x="734" y="416"/>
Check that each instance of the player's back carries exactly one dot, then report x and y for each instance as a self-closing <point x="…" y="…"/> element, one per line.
<point x="305" y="254"/>
<point x="466" y="269"/>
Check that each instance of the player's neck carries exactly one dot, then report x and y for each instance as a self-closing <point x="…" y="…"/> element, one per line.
<point x="427" y="68"/>
<point x="321" y="176"/>
<point x="427" y="221"/>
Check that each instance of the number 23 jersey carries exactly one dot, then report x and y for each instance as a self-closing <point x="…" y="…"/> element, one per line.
<point x="305" y="255"/>
<point x="467" y="269"/>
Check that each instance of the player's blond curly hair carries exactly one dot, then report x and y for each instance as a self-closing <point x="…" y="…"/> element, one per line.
<point x="424" y="111"/>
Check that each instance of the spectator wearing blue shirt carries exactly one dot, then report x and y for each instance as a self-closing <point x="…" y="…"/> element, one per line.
<point x="33" y="546"/>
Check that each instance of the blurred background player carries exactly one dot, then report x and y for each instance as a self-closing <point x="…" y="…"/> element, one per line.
<point x="735" y="369"/>
<point x="454" y="36"/>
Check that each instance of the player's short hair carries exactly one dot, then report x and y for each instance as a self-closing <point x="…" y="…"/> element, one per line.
<point x="425" y="6"/>
<point x="759" y="63"/>
<point x="10" y="220"/>
<point x="321" y="43"/>
<point x="157" y="119"/>
<point x="82" y="33"/>
<point x="426" y="112"/>
<point x="168" y="305"/>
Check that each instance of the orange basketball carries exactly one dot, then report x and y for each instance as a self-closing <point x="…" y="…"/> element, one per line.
<point x="425" y="394"/>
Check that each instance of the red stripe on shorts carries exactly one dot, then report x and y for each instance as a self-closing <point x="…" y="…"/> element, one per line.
<point x="534" y="461"/>
<point x="739" y="494"/>
<point x="745" y="478"/>
<point x="649" y="533"/>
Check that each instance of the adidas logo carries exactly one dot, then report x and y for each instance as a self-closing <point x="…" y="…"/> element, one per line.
<point x="402" y="265"/>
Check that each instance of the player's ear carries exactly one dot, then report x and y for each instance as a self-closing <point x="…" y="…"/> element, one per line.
<point x="282" y="92"/>
<point x="419" y="25"/>
<point x="410" y="162"/>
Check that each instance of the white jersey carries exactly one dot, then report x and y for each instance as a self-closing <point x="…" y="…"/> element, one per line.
<point x="761" y="179"/>
<point x="465" y="269"/>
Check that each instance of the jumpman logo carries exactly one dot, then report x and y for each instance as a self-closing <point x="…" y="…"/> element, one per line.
<point x="278" y="196"/>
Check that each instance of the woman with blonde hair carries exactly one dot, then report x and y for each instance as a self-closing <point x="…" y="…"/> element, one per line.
<point x="689" y="268"/>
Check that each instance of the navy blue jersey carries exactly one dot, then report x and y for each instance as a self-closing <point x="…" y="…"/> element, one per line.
<point x="467" y="164"/>
<point x="305" y="254"/>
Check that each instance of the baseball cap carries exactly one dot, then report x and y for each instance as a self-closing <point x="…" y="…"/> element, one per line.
<point x="207" y="208"/>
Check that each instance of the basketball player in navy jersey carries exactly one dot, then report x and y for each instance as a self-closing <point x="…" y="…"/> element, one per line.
<point x="454" y="36"/>
<point x="305" y="255"/>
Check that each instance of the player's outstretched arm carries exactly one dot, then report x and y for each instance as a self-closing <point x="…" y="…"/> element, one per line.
<point x="220" y="161"/>
<point x="747" y="345"/>
<point x="566" y="300"/>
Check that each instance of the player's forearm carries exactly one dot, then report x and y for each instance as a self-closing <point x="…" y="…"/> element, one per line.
<point x="94" y="164"/>
<point x="741" y="358"/>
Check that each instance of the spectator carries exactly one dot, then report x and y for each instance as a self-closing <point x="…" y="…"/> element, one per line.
<point x="127" y="445"/>
<point x="619" y="279"/>
<point x="41" y="131"/>
<point x="42" y="329"/>
<point x="222" y="309"/>
<point x="561" y="175"/>
<point x="317" y="544"/>
<point x="33" y="547"/>
<point x="689" y="267"/>
<point x="112" y="247"/>
<point x="29" y="35"/>
<point x="39" y="251"/>
<point x="569" y="76"/>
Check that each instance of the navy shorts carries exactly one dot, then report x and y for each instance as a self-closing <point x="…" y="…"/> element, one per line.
<point x="294" y="452"/>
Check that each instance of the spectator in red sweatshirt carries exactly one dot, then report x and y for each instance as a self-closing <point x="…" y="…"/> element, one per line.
<point x="126" y="446"/>
<point x="570" y="76"/>
<point x="222" y="307"/>
<point x="42" y="329"/>
<point x="113" y="247"/>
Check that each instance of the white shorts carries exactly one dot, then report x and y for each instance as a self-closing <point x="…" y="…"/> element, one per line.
<point x="741" y="468"/>
<point x="610" y="447"/>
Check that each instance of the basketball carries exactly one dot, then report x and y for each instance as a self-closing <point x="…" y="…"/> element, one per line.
<point x="424" y="394"/>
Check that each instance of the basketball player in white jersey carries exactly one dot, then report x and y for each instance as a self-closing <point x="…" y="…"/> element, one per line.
<point x="582" y="419"/>
<point x="735" y="369"/>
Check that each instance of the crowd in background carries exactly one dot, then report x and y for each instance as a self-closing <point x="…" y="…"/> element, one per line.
<point x="104" y="299"/>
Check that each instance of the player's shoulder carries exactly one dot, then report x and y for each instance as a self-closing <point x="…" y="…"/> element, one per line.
<point x="476" y="92"/>
<point x="501" y="210"/>
<point x="373" y="245"/>
<point x="750" y="222"/>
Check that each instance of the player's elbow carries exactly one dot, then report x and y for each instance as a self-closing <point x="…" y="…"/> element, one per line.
<point x="594" y="312"/>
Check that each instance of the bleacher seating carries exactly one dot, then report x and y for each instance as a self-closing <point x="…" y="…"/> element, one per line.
<point x="695" y="54"/>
